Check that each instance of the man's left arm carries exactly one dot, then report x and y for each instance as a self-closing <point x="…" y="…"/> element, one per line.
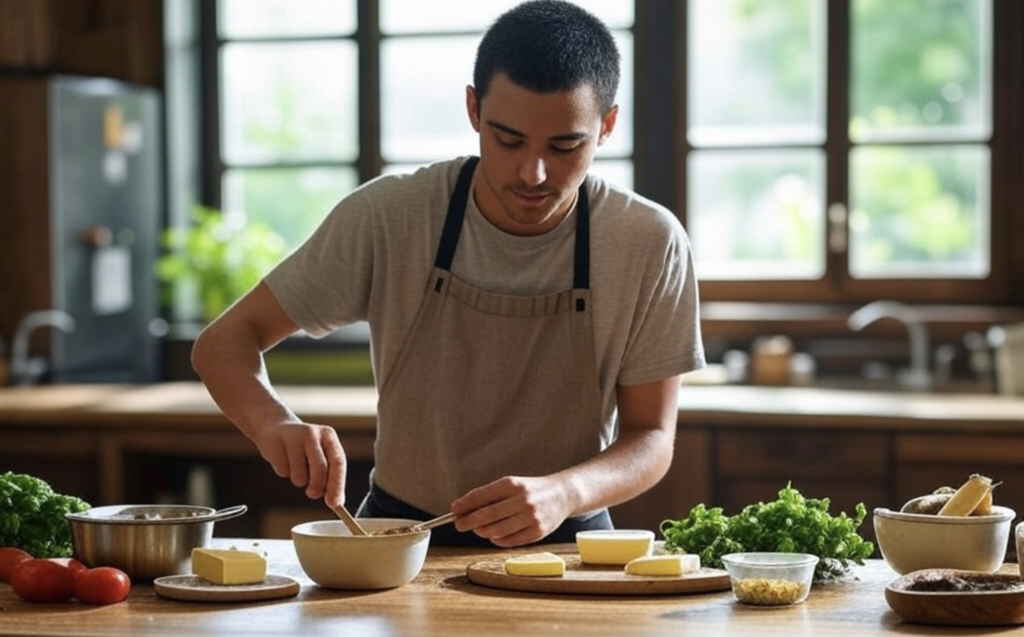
<point x="518" y="510"/>
<point x="639" y="457"/>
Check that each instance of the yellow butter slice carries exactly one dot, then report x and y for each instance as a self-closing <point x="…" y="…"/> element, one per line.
<point x="613" y="546"/>
<point x="536" y="565"/>
<point x="668" y="565"/>
<point x="229" y="566"/>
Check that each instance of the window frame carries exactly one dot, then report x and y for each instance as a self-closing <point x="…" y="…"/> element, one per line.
<point x="837" y="285"/>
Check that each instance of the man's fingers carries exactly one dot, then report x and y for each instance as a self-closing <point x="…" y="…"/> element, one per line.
<point x="337" y="468"/>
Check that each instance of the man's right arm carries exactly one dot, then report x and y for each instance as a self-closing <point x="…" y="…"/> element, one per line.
<point x="228" y="356"/>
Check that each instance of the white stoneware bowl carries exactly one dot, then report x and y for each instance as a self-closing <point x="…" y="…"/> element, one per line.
<point x="914" y="541"/>
<point x="334" y="558"/>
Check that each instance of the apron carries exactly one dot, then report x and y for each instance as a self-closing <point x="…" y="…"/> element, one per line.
<point x="487" y="385"/>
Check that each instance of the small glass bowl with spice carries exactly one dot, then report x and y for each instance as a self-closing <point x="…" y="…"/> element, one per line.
<point x="770" y="579"/>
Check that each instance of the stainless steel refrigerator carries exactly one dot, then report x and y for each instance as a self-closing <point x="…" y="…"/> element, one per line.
<point x="102" y="210"/>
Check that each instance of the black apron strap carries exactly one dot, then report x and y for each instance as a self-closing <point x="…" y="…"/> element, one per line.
<point x="581" y="257"/>
<point x="456" y="213"/>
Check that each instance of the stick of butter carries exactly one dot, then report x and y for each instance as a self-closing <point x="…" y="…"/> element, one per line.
<point x="229" y="566"/>
<point x="536" y="565"/>
<point x="664" y="565"/>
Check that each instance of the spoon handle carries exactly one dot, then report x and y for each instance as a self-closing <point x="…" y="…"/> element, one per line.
<point x="349" y="521"/>
<point x="438" y="521"/>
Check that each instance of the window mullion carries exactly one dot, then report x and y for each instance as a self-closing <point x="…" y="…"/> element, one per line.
<point x="837" y="141"/>
<point x="209" y="91"/>
<point x="368" y="37"/>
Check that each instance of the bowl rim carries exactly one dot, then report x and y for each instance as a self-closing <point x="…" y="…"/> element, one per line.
<point x="105" y="514"/>
<point x="999" y="514"/>
<point x="785" y="559"/>
<point x="302" y="529"/>
<point x="630" y="534"/>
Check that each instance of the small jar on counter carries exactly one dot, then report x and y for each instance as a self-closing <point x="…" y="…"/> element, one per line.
<point x="770" y="360"/>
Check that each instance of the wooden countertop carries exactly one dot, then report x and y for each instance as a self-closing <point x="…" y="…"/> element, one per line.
<point x="178" y="404"/>
<point x="353" y="409"/>
<point x="442" y="601"/>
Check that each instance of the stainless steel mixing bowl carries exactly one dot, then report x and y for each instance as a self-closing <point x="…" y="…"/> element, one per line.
<point x="145" y="541"/>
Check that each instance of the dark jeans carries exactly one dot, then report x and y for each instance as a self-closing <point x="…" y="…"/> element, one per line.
<point x="381" y="504"/>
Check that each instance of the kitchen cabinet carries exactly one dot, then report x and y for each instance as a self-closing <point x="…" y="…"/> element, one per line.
<point x="846" y="466"/>
<point x="120" y="39"/>
<point x="68" y="459"/>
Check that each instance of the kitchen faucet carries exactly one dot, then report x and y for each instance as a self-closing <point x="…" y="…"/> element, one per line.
<point x="25" y="370"/>
<point x="918" y="375"/>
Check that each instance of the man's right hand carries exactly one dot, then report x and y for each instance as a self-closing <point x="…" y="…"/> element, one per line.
<point x="311" y="456"/>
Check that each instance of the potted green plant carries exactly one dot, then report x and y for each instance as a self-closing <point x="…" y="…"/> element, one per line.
<point x="217" y="258"/>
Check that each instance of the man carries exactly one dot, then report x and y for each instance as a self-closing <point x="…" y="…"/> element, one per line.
<point x="529" y="323"/>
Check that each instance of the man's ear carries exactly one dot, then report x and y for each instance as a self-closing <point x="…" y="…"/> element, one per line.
<point x="608" y="124"/>
<point x="473" y="108"/>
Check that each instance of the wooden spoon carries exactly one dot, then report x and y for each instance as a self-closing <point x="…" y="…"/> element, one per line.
<point x="421" y="526"/>
<point x="349" y="521"/>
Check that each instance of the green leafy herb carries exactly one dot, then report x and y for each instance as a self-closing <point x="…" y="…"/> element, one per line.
<point x="32" y="516"/>
<point x="220" y="256"/>
<point x="790" y="524"/>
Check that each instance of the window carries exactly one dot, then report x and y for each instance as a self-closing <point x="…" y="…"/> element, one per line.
<point x="913" y="157"/>
<point x="288" y="110"/>
<point x="920" y="121"/>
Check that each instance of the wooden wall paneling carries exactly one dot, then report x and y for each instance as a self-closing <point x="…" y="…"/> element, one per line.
<point x="120" y="39"/>
<point x="25" y="34"/>
<point x="24" y="206"/>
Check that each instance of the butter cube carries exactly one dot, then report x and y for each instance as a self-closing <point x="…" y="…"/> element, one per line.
<point x="229" y="566"/>
<point x="536" y="565"/>
<point x="666" y="565"/>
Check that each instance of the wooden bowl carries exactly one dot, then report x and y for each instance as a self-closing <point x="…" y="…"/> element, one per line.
<point x="950" y="597"/>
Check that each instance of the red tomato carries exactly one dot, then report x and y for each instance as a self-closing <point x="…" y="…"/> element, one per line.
<point x="102" y="585"/>
<point x="42" y="580"/>
<point x="76" y="567"/>
<point x="9" y="558"/>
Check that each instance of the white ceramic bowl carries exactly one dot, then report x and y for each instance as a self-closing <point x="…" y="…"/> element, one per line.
<point x="334" y="558"/>
<point x="770" y="579"/>
<point x="914" y="541"/>
<point x="613" y="546"/>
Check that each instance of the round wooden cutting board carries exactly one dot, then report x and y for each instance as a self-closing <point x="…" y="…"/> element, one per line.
<point x="580" y="579"/>
<point x="190" y="588"/>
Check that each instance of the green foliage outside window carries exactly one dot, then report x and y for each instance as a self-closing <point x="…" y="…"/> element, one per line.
<point x="216" y="259"/>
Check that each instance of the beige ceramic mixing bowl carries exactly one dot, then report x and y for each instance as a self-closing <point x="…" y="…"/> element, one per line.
<point x="334" y="558"/>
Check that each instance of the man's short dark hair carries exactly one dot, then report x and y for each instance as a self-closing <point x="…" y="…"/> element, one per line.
<point x="546" y="46"/>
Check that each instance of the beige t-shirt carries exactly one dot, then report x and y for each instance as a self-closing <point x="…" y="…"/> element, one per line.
<point x="371" y="257"/>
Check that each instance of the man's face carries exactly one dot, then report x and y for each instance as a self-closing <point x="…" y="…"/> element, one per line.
<point x="535" y="150"/>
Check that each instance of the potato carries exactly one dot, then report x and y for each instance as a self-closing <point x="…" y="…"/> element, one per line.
<point x="927" y="504"/>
